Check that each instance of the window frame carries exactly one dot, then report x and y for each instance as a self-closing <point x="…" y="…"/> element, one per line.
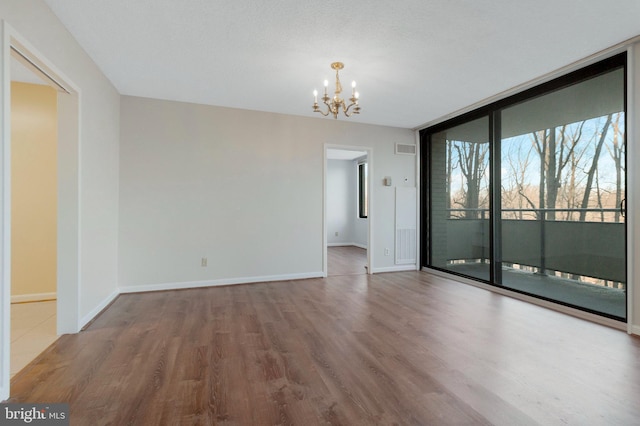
<point x="363" y="189"/>
<point x="493" y="110"/>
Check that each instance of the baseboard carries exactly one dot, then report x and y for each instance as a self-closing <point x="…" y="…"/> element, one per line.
<point x="95" y="311"/>
<point x="35" y="297"/>
<point x="396" y="268"/>
<point x="215" y="283"/>
<point x="362" y="246"/>
<point x="634" y="329"/>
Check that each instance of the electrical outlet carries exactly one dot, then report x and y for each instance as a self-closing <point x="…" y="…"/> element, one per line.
<point x="387" y="252"/>
<point x="203" y="262"/>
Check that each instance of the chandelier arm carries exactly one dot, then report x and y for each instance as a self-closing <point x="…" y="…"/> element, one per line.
<point x="321" y="112"/>
<point x="346" y="110"/>
<point x="316" y="109"/>
<point x="332" y="107"/>
<point x="329" y="109"/>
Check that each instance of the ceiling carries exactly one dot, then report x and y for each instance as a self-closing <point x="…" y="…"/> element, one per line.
<point x="414" y="60"/>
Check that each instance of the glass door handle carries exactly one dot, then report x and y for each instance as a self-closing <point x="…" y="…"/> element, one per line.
<point x="623" y="207"/>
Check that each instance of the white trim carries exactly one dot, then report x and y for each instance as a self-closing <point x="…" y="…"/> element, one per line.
<point x="215" y="283"/>
<point x="325" y="263"/>
<point x="5" y="215"/>
<point x="28" y="51"/>
<point x="362" y="246"/>
<point x="69" y="263"/>
<point x="68" y="289"/>
<point x="418" y="201"/>
<point x="632" y="185"/>
<point x="95" y="311"/>
<point x="397" y="268"/>
<point x="33" y="297"/>
<point x="370" y="214"/>
<point x="530" y="299"/>
<point x="634" y="329"/>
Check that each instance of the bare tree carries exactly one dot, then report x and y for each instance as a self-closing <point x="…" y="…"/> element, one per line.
<point x="472" y="159"/>
<point x="593" y="168"/>
<point x="518" y="195"/>
<point x="555" y="147"/>
<point x="616" y="151"/>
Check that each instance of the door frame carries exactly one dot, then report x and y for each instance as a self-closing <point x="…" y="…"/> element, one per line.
<point x="370" y="167"/>
<point x="69" y="177"/>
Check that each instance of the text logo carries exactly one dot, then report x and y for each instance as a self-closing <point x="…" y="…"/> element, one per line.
<point x="34" y="414"/>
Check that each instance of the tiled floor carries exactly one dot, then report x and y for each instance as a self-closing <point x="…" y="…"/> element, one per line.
<point x="33" y="329"/>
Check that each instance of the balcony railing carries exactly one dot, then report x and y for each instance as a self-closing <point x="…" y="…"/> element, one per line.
<point x="579" y="248"/>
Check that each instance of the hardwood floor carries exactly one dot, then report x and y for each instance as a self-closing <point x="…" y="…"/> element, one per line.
<point x="403" y="348"/>
<point x="346" y="260"/>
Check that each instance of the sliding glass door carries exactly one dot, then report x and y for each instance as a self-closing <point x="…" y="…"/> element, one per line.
<point x="529" y="192"/>
<point x="459" y="166"/>
<point x="563" y="174"/>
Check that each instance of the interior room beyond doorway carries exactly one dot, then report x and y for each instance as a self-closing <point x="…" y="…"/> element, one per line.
<point x="347" y="203"/>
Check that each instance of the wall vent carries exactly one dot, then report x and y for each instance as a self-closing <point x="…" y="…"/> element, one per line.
<point x="405" y="149"/>
<point x="406" y="221"/>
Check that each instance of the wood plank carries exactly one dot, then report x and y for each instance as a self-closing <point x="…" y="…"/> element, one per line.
<point x="346" y="260"/>
<point x="399" y="348"/>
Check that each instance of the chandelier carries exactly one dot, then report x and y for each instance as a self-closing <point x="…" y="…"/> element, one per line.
<point x="336" y="103"/>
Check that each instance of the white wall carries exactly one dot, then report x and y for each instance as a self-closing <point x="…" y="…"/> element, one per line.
<point x="342" y="205"/>
<point x="99" y="142"/>
<point x="34" y="192"/>
<point x="242" y="188"/>
<point x="360" y="228"/>
<point x="341" y="201"/>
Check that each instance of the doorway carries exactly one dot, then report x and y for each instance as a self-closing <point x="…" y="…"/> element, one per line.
<point x="34" y="120"/>
<point x="346" y="209"/>
<point x="68" y="194"/>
